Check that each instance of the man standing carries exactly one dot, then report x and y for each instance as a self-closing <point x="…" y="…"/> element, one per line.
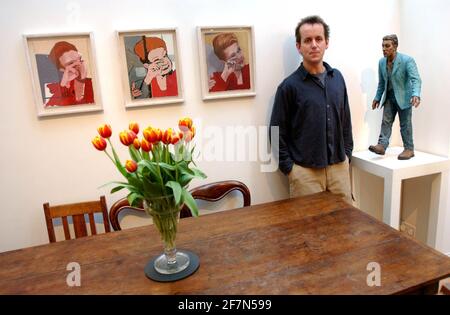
<point x="399" y="78"/>
<point x="312" y="112"/>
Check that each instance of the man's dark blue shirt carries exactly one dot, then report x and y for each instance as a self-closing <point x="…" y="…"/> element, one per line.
<point x="314" y="120"/>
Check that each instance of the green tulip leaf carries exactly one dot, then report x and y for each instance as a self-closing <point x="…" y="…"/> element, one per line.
<point x="185" y="179"/>
<point x="167" y="166"/>
<point x="185" y="168"/>
<point x="116" y="189"/>
<point x="152" y="190"/>
<point x="114" y="182"/>
<point x="134" y="199"/>
<point x="190" y="202"/>
<point x="176" y="188"/>
<point x="134" y="153"/>
<point x="151" y="166"/>
<point x="198" y="173"/>
<point x="145" y="155"/>
<point x="122" y="169"/>
<point x="135" y="182"/>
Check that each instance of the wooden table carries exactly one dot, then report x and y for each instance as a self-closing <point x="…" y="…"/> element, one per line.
<point x="312" y="245"/>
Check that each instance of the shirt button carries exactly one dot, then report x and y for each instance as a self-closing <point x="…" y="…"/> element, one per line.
<point x="328" y="105"/>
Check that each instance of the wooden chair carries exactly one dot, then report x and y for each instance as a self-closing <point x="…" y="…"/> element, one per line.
<point x="119" y="206"/>
<point x="217" y="191"/>
<point x="77" y="211"/>
<point x="209" y="192"/>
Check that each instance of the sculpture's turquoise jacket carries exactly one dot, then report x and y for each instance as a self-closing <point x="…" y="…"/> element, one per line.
<point x="405" y="80"/>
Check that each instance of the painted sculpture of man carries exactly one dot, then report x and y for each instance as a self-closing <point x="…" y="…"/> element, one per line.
<point x="398" y="90"/>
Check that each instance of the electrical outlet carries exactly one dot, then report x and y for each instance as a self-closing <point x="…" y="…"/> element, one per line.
<point x="408" y="228"/>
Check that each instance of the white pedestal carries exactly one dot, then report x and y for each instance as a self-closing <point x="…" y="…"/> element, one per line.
<point x="394" y="171"/>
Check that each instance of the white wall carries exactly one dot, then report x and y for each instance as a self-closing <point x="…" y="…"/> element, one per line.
<point x="423" y="28"/>
<point x="53" y="159"/>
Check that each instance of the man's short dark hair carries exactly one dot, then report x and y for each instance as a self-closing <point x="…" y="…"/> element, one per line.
<point x="393" y="38"/>
<point x="312" y="19"/>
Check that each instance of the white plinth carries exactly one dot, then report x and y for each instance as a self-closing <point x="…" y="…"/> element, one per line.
<point x="394" y="171"/>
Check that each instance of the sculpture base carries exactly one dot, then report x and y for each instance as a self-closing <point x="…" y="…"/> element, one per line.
<point x="153" y="274"/>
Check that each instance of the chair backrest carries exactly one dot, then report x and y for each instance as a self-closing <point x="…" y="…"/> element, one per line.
<point x="119" y="206"/>
<point x="217" y="191"/>
<point x="77" y="211"/>
<point x="209" y="192"/>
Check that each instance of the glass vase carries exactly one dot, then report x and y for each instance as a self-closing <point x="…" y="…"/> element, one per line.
<point x="166" y="214"/>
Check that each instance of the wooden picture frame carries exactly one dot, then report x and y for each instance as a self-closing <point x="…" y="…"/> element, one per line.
<point x="63" y="73"/>
<point x="227" y="61"/>
<point x="154" y="81"/>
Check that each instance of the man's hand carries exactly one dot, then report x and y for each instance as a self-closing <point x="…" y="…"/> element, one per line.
<point x="71" y="72"/>
<point x="415" y="101"/>
<point x="229" y="68"/>
<point x="211" y="82"/>
<point x="135" y="92"/>
<point x="375" y="104"/>
<point x="152" y="71"/>
<point x="82" y="70"/>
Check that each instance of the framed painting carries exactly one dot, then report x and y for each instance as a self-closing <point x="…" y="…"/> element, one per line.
<point x="151" y="67"/>
<point x="63" y="73"/>
<point x="227" y="61"/>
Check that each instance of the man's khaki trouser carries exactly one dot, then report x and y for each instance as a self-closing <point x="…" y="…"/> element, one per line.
<point x="334" y="178"/>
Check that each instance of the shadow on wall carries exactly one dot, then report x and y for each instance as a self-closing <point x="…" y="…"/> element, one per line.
<point x="278" y="180"/>
<point x="291" y="61"/>
<point x="371" y="117"/>
<point x="291" y="57"/>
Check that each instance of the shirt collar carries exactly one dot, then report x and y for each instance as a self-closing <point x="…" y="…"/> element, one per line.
<point x="304" y="74"/>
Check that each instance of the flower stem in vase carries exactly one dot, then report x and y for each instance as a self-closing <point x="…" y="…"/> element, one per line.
<point x="165" y="216"/>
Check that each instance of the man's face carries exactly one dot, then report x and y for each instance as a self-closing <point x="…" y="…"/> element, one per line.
<point x="234" y="57"/>
<point x="72" y="63"/>
<point x="389" y="49"/>
<point x="313" y="44"/>
<point x="159" y="60"/>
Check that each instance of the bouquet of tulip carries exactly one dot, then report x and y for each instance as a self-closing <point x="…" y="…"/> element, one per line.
<point x="158" y="173"/>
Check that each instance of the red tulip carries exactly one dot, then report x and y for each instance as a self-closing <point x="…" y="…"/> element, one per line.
<point x="104" y="130"/>
<point x="185" y="124"/>
<point x="152" y="135"/>
<point x="148" y="134"/>
<point x="167" y="136"/>
<point x="131" y="166"/>
<point x="146" y="146"/>
<point x="133" y="126"/>
<point x="127" y="137"/>
<point x="175" y="138"/>
<point x="137" y="144"/>
<point x="99" y="143"/>
<point x="190" y="134"/>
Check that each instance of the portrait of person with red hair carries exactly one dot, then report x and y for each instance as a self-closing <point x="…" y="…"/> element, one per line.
<point x="235" y="72"/>
<point x="160" y="77"/>
<point x="74" y="87"/>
